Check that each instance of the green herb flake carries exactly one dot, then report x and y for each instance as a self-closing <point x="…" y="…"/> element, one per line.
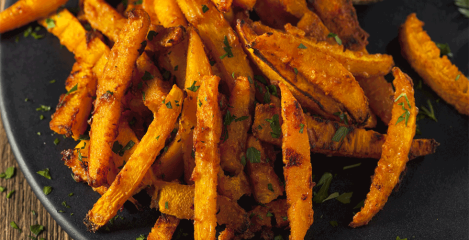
<point x="295" y="70"/>
<point x="227" y="49"/>
<point x="429" y="112"/>
<point x="168" y="105"/>
<point x="138" y="2"/>
<point x="70" y="194"/>
<point x="241" y="118"/>
<point x="15" y="226"/>
<point x="193" y="87"/>
<point x="166" y="205"/>
<point x="269" y="214"/>
<point x="8" y="173"/>
<point x="340" y="134"/>
<point x="151" y="35"/>
<point x="141" y="237"/>
<point x="278" y="237"/>
<point x="147" y="76"/>
<point x="332" y="196"/>
<point x="444" y="49"/>
<point x="301" y="46"/>
<point x="57" y="141"/>
<point x="43" y="108"/>
<point x="336" y="38"/>
<point x="52" y="81"/>
<point x="228" y="118"/>
<point x="275" y="126"/>
<point x="345" y="197"/>
<point x="457" y="77"/>
<point x="64" y="203"/>
<point x="200" y="103"/>
<point x="463" y="7"/>
<point x="253" y="155"/>
<point x="302" y="126"/>
<point x="46" y="190"/>
<point x="176" y="67"/>
<point x="270" y="187"/>
<point x="50" y="23"/>
<point x="352" y="166"/>
<point x="204" y="8"/>
<point x="212" y="63"/>
<point x="334" y="223"/>
<point x="36" y="229"/>
<point x="243" y="160"/>
<point x="10" y="193"/>
<point x="325" y="183"/>
<point x="41" y="117"/>
<point x="233" y="75"/>
<point x="26" y="99"/>
<point x="45" y="173"/>
<point x="28" y="31"/>
<point x="33" y="212"/>
<point x="398" y="238"/>
<point x="2" y="189"/>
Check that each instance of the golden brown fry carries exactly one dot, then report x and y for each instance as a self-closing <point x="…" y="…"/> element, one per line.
<point x="358" y="142"/>
<point x="135" y="169"/>
<point x="111" y="89"/>
<point x="227" y="234"/>
<point x="297" y="170"/>
<point x="237" y="121"/>
<point x="340" y="17"/>
<point x="380" y="96"/>
<point x="168" y="165"/>
<point x="313" y="27"/>
<point x="438" y="73"/>
<point x="272" y="13"/>
<point x="149" y="7"/>
<point x="174" y="199"/>
<point x="245" y="4"/>
<point x="103" y="17"/>
<point x="320" y="70"/>
<point x="26" y="11"/>
<point x="233" y="187"/>
<point x="265" y="183"/>
<point x="223" y="5"/>
<point x="164" y="228"/>
<point x="169" y="13"/>
<point x="207" y="135"/>
<point x="396" y="148"/>
<point x="197" y="67"/>
<point x="296" y="7"/>
<point x="219" y="38"/>
<point x="173" y="60"/>
<point x="74" y="107"/>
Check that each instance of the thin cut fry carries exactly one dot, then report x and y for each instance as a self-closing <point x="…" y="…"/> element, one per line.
<point x="380" y="96"/>
<point x="297" y="170"/>
<point x="164" y="228"/>
<point x="401" y="131"/>
<point x="169" y="13"/>
<point x="26" y="11"/>
<point x="135" y="169"/>
<point x="197" y="67"/>
<point x="438" y="73"/>
<point x="102" y="16"/>
<point x="207" y="135"/>
<point x="358" y="142"/>
<point x="111" y="89"/>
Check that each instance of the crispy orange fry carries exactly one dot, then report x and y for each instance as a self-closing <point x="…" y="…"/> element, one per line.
<point x="169" y="13"/>
<point x="111" y="88"/>
<point x="26" y="11"/>
<point x="380" y="96"/>
<point x="223" y="5"/>
<point x="396" y="148"/>
<point x="358" y="142"/>
<point x="438" y="73"/>
<point x="197" y="67"/>
<point x="102" y="16"/>
<point x="135" y="169"/>
<point x="272" y="13"/>
<point x="233" y="187"/>
<point x="313" y="27"/>
<point x="297" y="170"/>
<point x="74" y="107"/>
<point x="149" y="7"/>
<point x="245" y="4"/>
<point x="173" y="60"/>
<point x="174" y="199"/>
<point x="164" y="228"/>
<point x="207" y="135"/>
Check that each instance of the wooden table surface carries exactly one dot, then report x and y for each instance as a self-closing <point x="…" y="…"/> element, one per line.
<point x="18" y="208"/>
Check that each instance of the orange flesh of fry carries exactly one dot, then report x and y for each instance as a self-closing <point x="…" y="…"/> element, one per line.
<point x="223" y="5"/>
<point x="169" y="13"/>
<point x="164" y="228"/>
<point x="297" y="169"/>
<point x="395" y="150"/>
<point x="135" y="169"/>
<point x="111" y="89"/>
<point x="207" y="159"/>
<point x="104" y="17"/>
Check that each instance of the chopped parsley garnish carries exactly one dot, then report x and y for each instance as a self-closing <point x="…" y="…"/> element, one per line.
<point x="193" y="87"/>
<point x="47" y="190"/>
<point x="151" y="35"/>
<point x="429" y="112"/>
<point x="8" y="173"/>
<point x="15" y="226"/>
<point x="33" y="212"/>
<point x="36" y="229"/>
<point x="398" y="238"/>
<point x="275" y="126"/>
<point x="138" y="2"/>
<point x="269" y="214"/>
<point x="147" y="76"/>
<point x="336" y="38"/>
<point x="302" y="126"/>
<point x="28" y="31"/>
<point x="158" y="137"/>
<point x="285" y="218"/>
<point x="168" y="105"/>
<point x="270" y="187"/>
<point x="26" y="99"/>
<point x="200" y="103"/>
<point x="39" y="133"/>
<point x="52" y="81"/>
<point x="295" y="70"/>
<point x="273" y="90"/>
<point x="45" y="173"/>
<point x="227" y="49"/>
<point x="73" y="89"/>
<point x="143" y="95"/>
<point x="243" y="160"/>
<point x="233" y="75"/>
<point x="109" y="92"/>
<point x="267" y="95"/>
<point x="141" y="237"/>
<point x="463" y="7"/>
<point x="444" y="49"/>
<point x="352" y="166"/>
<point x="50" y="23"/>
<point x="253" y="155"/>
<point x="457" y="77"/>
<point x="334" y="223"/>
<point x="117" y="148"/>
<point x="43" y="108"/>
<point x="204" y="8"/>
<point x="36" y="36"/>
<point x="41" y="117"/>
<point x="64" y="203"/>
<point x="301" y="46"/>
<point x="345" y="197"/>
<point x="324" y="182"/>
<point x="340" y="134"/>
<point x="176" y="67"/>
<point x="166" y="205"/>
<point x="228" y="118"/>
<point x="250" y="80"/>
<point x="70" y="194"/>
<point x="342" y="116"/>
<point x="84" y="137"/>
<point x="57" y="141"/>
<point x="165" y="149"/>
<point x="10" y="193"/>
<point x="241" y="118"/>
<point x="332" y="196"/>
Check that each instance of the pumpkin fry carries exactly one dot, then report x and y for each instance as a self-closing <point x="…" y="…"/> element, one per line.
<point x="169" y="13"/>
<point x="396" y="148"/>
<point x="297" y="170"/>
<point x="111" y="88"/>
<point x="102" y="16"/>
<point x="207" y="135"/>
<point x="164" y="228"/>
<point x="135" y="169"/>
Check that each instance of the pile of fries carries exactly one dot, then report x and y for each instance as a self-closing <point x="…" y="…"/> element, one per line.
<point x="188" y="100"/>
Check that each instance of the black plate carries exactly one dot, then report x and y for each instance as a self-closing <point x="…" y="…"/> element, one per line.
<point x="432" y="201"/>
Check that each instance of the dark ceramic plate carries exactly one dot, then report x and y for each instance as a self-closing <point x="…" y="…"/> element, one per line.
<point x="432" y="201"/>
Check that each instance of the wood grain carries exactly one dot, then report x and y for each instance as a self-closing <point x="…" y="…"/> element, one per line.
<point x="18" y="208"/>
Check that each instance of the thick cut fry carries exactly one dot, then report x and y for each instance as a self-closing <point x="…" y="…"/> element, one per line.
<point x="265" y="183"/>
<point x="320" y="70"/>
<point x="401" y="131"/>
<point x="26" y="11"/>
<point x="169" y="13"/>
<point x="197" y="67"/>
<point x="279" y="208"/>
<point x="135" y="169"/>
<point x="237" y="121"/>
<point x="438" y="73"/>
<point x="174" y="199"/>
<point x="220" y="39"/>
<point x="340" y="17"/>
<point x="207" y="135"/>
<point x="223" y="5"/>
<point x="233" y="187"/>
<point x="149" y="7"/>
<point x="245" y="4"/>
<point x="164" y="228"/>
<point x="102" y="16"/>
<point x="380" y="96"/>
<point x="297" y="170"/>
<point x="313" y="27"/>
<point x="111" y="88"/>
<point x="69" y="31"/>
<point x="358" y="142"/>
<point x="74" y="107"/>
